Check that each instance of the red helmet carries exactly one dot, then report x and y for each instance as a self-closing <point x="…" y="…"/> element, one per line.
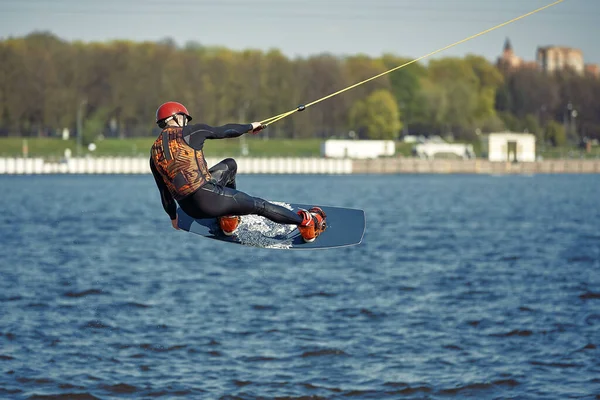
<point x="169" y="109"/>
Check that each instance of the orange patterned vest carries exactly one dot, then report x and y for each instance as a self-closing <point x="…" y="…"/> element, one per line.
<point x="182" y="167"/>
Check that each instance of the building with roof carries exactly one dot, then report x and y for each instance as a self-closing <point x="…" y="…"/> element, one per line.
<point x="508" y="147"/>
<point x="556" y="58"/>
<point x="548" y="59"/>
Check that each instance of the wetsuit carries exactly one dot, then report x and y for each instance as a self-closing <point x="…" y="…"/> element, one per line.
<point x="181" y="174"/>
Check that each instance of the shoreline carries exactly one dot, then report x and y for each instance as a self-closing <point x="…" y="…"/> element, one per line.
<point x="399" y="165"/>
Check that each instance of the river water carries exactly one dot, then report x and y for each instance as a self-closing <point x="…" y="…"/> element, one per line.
<point x="465" y="286"/>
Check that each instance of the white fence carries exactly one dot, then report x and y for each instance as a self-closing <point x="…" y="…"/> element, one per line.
<point x="128" y="165"/>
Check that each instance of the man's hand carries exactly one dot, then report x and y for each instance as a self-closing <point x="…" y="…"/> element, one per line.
<point x="257" y="127"/>
<point x="174" y="222"/>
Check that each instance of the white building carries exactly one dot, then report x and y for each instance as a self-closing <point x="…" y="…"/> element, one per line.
<point x="509" y="146"/>
<point x="432" y="149"/>
<point x="357" y="148"/>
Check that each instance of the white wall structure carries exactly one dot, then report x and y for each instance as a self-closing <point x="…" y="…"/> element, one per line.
<point x="139" y="165"/>
<point x="509" y="146"/>
<point x="357" y="148"/>
<point x="430" y="149"/>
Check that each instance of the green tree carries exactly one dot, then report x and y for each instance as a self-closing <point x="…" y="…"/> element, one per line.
<point x="376" y="117"/>
<point x="532" y="125"/>
<point x="555" y="132"/>
<point x="316" y="77"/>
<point x="430" y="116"/>
<point x="94" y="125"/>
<point x="529" y="91"/>
<point x="36" y="74"/>
<point x="581" y="91"/>
<point x="511" y="122"/>
<point x="456" y="81"/>
<point x="405" y="85"/>
<point x="43" y="81"/>
<point x="492" y="124"/>
<point x="360" y="67"/>
<point x="490" y="79"/>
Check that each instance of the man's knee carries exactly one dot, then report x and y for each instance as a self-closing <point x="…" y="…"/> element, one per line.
<point x="231" y="164"/>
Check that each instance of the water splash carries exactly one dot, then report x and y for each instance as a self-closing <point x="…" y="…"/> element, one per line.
<point x="258" y="231"/>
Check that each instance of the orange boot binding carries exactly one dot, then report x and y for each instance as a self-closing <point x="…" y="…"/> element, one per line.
<point x="313" y="223"/>
<point x="229" y="224"/>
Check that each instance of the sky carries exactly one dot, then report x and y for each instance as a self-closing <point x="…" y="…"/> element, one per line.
<point x="407" y="28"/>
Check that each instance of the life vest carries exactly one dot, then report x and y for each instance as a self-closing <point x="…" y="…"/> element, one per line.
<point x="182" y="167"/>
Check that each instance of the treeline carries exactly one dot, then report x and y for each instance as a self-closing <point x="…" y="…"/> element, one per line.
<point x="114" y="88"/>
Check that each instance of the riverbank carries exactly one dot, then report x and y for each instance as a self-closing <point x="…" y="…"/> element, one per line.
<point x="255" y="146"/>
<point x="308" y="165"/>
<point x="474" y="166"/>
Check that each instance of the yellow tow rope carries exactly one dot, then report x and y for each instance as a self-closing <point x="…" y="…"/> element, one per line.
<point x="276" y="118"/>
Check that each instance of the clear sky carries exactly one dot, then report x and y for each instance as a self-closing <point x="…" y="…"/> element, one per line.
<point x="410" y="28"/>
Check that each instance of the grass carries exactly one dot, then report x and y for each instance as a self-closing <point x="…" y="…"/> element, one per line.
<point x="569" y="152"/>
<point x="54" y="148"/>
<point x="258" y="147"/>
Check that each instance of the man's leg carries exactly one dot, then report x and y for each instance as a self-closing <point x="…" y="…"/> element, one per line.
<point x="224" y="172"/>
<point x="216" y="201"/>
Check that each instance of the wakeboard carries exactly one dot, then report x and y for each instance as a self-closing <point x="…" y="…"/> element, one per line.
<point x="345" y="227"/>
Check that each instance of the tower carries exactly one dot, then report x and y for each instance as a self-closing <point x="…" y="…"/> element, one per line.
<point x="508" y="50"/>
<point x="508" y="60"/>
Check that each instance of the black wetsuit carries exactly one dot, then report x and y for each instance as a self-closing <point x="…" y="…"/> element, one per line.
<point x="219" y="197"/>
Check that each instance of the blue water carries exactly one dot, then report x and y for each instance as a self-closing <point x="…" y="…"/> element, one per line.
<point x="464" y="286"/>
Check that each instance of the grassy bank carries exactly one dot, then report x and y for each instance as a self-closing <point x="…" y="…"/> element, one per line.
<point x="256" y="146"/>
<point x="55" y="148"/>
<point x="52" y="148"/>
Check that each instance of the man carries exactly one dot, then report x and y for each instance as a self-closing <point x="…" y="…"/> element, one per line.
<point x="182" y="176"/>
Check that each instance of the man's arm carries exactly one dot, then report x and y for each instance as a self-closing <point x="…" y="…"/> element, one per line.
<point x="216" y="132"/>
<point x="230" y="130"/>
<point x="165" y="196"/>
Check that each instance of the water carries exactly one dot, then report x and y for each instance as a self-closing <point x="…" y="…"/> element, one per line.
<point x="464" y="286"/>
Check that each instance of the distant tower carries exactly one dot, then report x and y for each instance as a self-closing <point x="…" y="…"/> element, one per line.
<point x="508" y="60"/>
<point x="508" y="50"/>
